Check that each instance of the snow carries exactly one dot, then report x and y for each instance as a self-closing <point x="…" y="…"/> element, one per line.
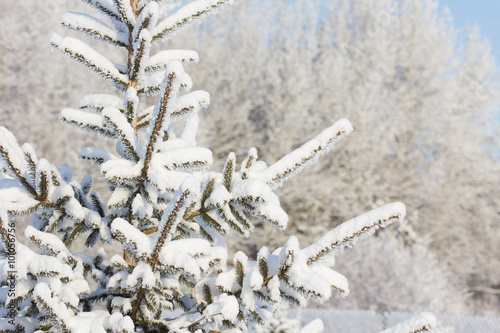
<point x="141" y="53"/>
<point x="29" y="151"/>
<point x="226" y="281"/>
<point x="334" y="278"/>
<point x="91" y="58"/>
<point x="125" y="130"/>
<point x="366" y="321"/>
<point x="254" y="278"/>
<point x="166" y="181"/>
<point x="42" y="294"/>
<point x="119" y="197"/>
<point x="289" y="251"/>
<point x="148" y="15"/>
<point x="116" y="282"/>
<point x="349" y="232"/>
<point x="315" y="285"/>
<point x="118" y="323"/>
<point x="180" y="261"/>
<point x="42" y="178"/>
<point x="248" y="299"/>
<point x="191" y="246"/>
<point x="189" y="104"/>
<point x="74" y="210"/>
<point x="16" y="156"/>
<point x="34" y="263"/>
<point x="298" y="297"/>
<point x="145" y="115"/>
<point x="270" y="213"/>
<point x="255" y="189"/>
<point x="182" y="158"/>
<point x="140" y="208"/>
<point x="165" y="6"/>
<point x="121" y="169"/>
<point x="99" y="321"/>
<point x="86" y="184"/>
<point x="315" y="326"/>
<point x="150" y="83"/>
<point x="93" y="27"/>
<point x="131" y="98"/>
<point x="226" y="306"/>
<point x="96" y="155"/>
<point x="142" y="271"/>
<point x="418" y="322"/>
<point x="89" y="121"/>
<point x="70" y="292"/>
<point x="50" y="242"/>
<point x="15" y="198"/>
<point x="132" y="236"/>
<point x="249" y="161"/>
<point x="175" y="78"/>
<point x="295" y="161"/>
<point x="227" y="215"/>
<point x="161" y="59"/>
<point x="118" y="261"/>
<point x="100" y="101"/>
<point x="65" y="172"/>
<point x="219" y="197"/>
<point x="274" y="288"/>
<point x="125" y="8"/>
<point x="181" y="254"/>
<point x="191" y="129"/>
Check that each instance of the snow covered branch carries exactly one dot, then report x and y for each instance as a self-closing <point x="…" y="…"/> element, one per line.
<point x="349" y="232"/>
<point x="93" y="28"/>
<point x="308" y="153"/>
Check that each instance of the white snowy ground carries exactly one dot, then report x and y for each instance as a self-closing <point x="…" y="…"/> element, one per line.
<point x="345" y="321"/>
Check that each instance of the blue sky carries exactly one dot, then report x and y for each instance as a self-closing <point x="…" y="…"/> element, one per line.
<point x="485" y="13"/>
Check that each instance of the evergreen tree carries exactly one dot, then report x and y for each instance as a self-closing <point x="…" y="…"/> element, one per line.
<point x="167" y="210"/>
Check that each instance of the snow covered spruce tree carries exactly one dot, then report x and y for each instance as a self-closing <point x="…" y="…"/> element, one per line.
<point x="167" y="210"/>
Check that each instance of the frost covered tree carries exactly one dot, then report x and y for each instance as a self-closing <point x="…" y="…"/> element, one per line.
<point x="166" y="209"/>
<point x="442" y="170"/>
<point x="380" y="63"/>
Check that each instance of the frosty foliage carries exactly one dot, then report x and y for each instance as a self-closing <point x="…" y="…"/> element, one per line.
<point x="165" y="207"/>
<point x="457" y="192"/>
<point x="379" y="63"/>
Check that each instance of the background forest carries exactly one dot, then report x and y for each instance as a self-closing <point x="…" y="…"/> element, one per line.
<point x="421" y="95"/>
